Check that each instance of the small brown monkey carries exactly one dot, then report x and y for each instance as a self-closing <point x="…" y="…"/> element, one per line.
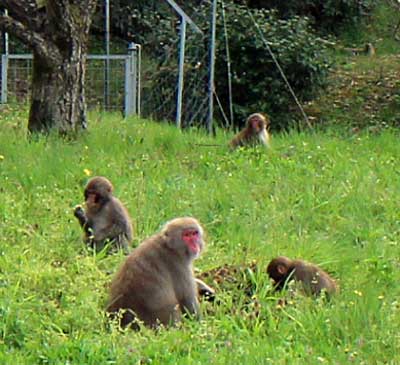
<point x="368" y="50"/>
<point x="104" y="219"/>
<point x="313" y="279"/>
<point x="255" y="132"/>
<point x="156" y="283"/>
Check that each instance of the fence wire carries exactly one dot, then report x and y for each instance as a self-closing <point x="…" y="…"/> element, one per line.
<point x="19" y="75"/>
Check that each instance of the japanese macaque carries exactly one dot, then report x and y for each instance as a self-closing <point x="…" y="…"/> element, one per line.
<point x="313" y="279"/>
<point x="156" y="285"/>
<point x="104" y="219"/>
<point x="255" y="132"/>
<point x="368" y="50"/>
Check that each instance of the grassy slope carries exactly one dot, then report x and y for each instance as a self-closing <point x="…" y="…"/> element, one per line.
<point x="329" y="199"/>
<point x="363" y="91"/>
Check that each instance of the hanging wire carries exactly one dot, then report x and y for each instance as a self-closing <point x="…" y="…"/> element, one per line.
<point x="228" y="60"/>
<point x="279" y="67"/>
<point x="222" y="110"/>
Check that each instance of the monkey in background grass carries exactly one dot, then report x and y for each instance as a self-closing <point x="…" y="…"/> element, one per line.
<point x="254" y="133"/>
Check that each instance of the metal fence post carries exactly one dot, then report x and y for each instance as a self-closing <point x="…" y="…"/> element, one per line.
<point x="127" y="101"/>
<point x="138" y="73"/>
<point x="131" y="81"/>
<point x="178" y="119"/>
<point x="4" y="78"/>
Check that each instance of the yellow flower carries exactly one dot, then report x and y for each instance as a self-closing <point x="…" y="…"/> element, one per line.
<point x="1" y="157"/>
<point x="87" y="172"/>
<point x="381" y="297"/>
<point x="358" y="293"/>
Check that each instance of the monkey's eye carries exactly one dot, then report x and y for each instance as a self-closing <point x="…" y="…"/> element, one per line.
<point x="190" y="233"/>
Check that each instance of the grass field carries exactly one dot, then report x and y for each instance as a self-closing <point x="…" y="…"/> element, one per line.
<point x="327" y="198"/>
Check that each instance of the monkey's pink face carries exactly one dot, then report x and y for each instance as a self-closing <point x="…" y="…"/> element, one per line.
<point x="192" y="239"/>
<point x="257" y="125"/>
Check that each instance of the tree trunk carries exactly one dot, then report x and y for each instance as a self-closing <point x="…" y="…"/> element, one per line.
<point x="58" y="94"/>
<point x="57" y="31"/>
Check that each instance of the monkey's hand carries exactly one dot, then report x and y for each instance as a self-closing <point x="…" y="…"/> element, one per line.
<point x="207" y="294"/>
<point x="204" y="291"/>
<point x="79" y="213"/>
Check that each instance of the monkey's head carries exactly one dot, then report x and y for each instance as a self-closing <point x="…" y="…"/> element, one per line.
<point x="184" y="236"/>
<point x="279" y="269"/>
<point x="257" y="122"/>
<point x="98" y="190"/>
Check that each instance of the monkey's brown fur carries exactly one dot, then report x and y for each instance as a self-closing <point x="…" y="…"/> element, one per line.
<point x="368" y="50"/>
<point x="255" y="132"/>
<point x="314" y="280"/>
<point x="156" y="282"/>
<point x="104" y="219"/>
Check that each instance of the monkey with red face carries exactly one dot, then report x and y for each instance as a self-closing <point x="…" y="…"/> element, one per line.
<point x="104" y="219"/>
<point x="314" y="280"/>
<point x="255" y="132"/>
<point x="156" y="284"/>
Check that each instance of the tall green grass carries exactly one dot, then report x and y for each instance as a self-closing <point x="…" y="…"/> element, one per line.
<point x="329" y="199"/>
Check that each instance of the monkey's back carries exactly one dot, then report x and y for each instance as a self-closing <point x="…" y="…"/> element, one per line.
<point x="112" y="223"/>
<point x="121" y="220"/>
<point x="313" y="278"/>
<point x="144" y="284"/>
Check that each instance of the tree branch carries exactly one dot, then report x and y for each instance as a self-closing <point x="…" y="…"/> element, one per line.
<point x="65" y="11"/>
<point x="32" y="39"/>
<point x="23" y="11"/>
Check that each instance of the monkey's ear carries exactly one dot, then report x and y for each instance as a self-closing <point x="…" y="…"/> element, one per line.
<point x="282" y="270"/>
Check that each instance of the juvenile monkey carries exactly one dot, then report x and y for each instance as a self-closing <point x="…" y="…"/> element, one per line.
<point x="255" y="132"/>
<point x="313" y="279"/>
<point x="156" y="283"/>
<point x="104" y="218"/>
<point x="368" y="50"/>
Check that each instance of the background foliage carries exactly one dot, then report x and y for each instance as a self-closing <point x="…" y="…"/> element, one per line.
<point x="257" y="83"/>
<point x="327" y="15"/>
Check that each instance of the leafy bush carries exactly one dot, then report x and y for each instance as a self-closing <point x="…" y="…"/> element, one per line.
<point x="257" y="82"/>
<point x="327" y="15"/>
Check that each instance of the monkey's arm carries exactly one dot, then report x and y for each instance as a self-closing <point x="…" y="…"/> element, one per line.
<point x="190" y="305"/>
<point x="80" y="214"/>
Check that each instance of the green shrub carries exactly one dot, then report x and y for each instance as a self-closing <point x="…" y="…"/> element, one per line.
<point x="257" y="82"/>
<point x="327" y="15"/>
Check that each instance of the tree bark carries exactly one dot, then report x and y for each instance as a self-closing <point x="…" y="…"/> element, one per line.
<point x="58" y="94"/>
<point x="58" y="35"/>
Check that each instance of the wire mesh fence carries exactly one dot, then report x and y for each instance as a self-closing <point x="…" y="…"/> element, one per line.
<point x="117" y="92"/>
<point x="160" y="72"/>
